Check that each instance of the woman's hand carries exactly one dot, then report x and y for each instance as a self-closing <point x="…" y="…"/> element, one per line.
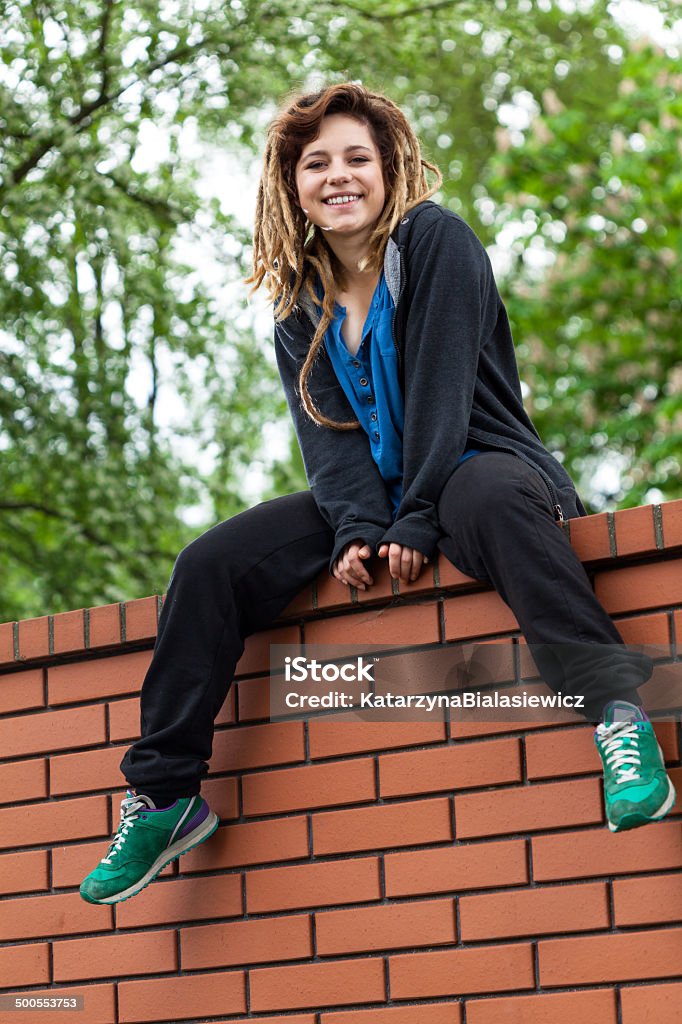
<point x="403" y="563"/>
<point x="348" y="567"/>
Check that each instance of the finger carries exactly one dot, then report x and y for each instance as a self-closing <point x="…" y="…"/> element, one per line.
<point x="406" y="564"/>
<point x="394" y="553"/>
<point x="383" y="550"/>
<point x="358" y="570"/>
<point x="417" y="560"/>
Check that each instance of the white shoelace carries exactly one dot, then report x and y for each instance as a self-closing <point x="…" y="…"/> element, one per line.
<point x="129" y="807"/>
<point x="620" y="744"/>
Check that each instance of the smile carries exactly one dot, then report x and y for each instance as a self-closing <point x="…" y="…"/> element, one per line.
<point x="341" y="200"/>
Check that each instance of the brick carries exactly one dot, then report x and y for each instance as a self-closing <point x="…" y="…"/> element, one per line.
<point x="24" y="872"/>
<point x="633" y="956"/>
<point x="600" y="852"/>
<point x="652" y="900"/>
<point x="7" y="643"/>
<point x="104" y="624"/>
<point x="635" y="531"/>
<point x="140" y="619"/>
<point x="21" y="691"/>
<point x="332" y="594"/>
<point x="450" y="768"/>
<point x="311" y="885"/>
<point x="255" y="746"/>
<point x="296" y="1018"/>
<point x="256" y="656"/>
<point x="32" y="824"/>
<point x="100" y="677"/>
<point x="319" y="785"/>
<point x="25" y="965"/>
<point x="456" y="868"/>
<point x="545" y="910"/>
<point x="124" y="719"/>
<point x="164" y="999"/>
<point x="253" y="698"/>
<point x="339" y="736"/>
<point x="573" y="751"/>
<point x="110" y="956"/>
<point x="70" y="864"/>
<point x="477" y="615"/>
<point x="373" y="929"/>
<point x="64" y="914"/>
<point x="671" y="512"/>
<point x="640" y="587"/>
<point x="98" y="1005"/>
<point x="254" y="842"/>
<point x="317" y="985"/>
<point x="371" y="828"/>
<point x="34" y="639"/>
<point x="385" y="588"/>
<point x="409" y="624"/>
<point x="427" y="1013"/>
<point x="246" y="942"/>
<point x="449" y="576"/>
<point x="590" y="537"/>
<point x="460" y="971"/>
<point x="52" y="730"/>
<point x="551" y="1008"/>
<point x="464" y="730"/>
<point x="299" y="605"/>
<point x="651" y="1004"/>
<point x="222" y="796"/>
<point x="68" y="630"/>
<point x="180" y="900"/>
<point x="647" y="631"/>
<point x="91" y="770"/>
<point x="23" y="780"/>
<point x="529" y="808"/>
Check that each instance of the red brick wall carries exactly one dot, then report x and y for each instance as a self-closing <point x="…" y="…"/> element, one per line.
<point x="367" y="873"/>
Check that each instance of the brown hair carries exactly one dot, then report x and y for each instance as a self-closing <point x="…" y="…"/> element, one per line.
<point x="286" y="254"/>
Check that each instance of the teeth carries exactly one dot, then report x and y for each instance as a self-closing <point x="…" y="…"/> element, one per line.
<point x="338" y="200"/>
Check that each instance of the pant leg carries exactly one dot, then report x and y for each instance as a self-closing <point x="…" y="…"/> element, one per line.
<point x="230" y="582"/>
<point x="498" y="523"/>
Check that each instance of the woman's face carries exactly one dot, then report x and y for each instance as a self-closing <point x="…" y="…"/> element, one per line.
<point x="342" y="161"/>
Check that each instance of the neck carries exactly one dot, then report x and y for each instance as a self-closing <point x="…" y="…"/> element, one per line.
<point x="349" y="252"/>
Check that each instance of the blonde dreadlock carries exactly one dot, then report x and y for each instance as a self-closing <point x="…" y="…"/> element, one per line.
<point x="287" y="254"/>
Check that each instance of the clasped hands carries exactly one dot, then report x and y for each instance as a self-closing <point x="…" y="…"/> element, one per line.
<point x="403" y="563"/>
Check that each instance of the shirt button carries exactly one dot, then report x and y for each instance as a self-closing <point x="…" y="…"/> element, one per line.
<point x="373" y="416"/>
<point x="364" y="382"/>
<point x="370" y="400"/>
<point x="355" y="362"/>
<point x="376" y="434"/>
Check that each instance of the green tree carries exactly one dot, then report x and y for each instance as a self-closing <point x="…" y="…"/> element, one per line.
<point x="596" y="192"/>
<point x="107" y="320"/>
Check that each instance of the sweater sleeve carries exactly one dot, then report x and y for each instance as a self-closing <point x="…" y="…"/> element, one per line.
<point x="343" y="477"/>
<point x="451" y="306"/>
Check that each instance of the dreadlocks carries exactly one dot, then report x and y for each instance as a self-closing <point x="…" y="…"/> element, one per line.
<point x="288" y="252"/>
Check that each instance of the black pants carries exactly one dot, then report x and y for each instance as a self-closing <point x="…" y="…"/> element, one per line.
<point x="496" y="515"/>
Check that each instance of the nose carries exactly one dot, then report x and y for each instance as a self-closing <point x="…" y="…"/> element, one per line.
<point x="337" y="171"/>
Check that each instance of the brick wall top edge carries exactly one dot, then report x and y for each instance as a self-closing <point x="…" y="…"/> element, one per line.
<point x="647" y="533"/>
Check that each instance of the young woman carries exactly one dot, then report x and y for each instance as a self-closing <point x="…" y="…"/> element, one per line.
<point x="396" y="357"/>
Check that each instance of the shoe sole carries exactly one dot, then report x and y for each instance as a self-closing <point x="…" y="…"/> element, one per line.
<point x="171" y="853"/>
<point x="636" y="818"/>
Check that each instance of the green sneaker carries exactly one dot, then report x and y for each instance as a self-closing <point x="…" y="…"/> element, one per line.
<point x="146" y="840"/>
<point x="637" y="789"/>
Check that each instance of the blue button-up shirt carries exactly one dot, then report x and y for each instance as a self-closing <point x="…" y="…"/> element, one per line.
<point x="371" y="383"/>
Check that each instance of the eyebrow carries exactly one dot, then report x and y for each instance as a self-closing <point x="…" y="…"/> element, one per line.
<point x="323" y="152"/>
